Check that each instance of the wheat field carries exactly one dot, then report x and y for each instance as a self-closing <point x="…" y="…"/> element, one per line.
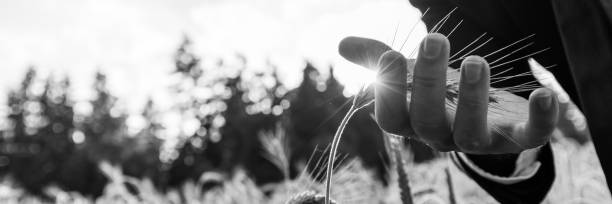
<point x="579" y="180"/>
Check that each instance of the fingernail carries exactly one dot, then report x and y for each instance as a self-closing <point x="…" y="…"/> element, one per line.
<point x="472" y="70"/>
<point x="545" y="101"/>
<point x="432" y="47"/>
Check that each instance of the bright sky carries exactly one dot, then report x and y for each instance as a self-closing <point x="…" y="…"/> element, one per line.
<point x="133" y="40"/>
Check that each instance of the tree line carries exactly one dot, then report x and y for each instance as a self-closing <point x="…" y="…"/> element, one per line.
<point x="45" y="142"/>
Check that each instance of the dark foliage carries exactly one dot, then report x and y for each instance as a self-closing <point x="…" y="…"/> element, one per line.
<point x="47" y="143"/>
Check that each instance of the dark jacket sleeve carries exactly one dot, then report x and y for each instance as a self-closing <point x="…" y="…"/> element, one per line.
<point x="506" y="22"/>
<point x="586" y="30"/>
<point x="533" y="190"/>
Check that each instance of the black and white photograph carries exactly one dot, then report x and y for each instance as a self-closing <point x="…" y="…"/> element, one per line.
<point x="306" y="101"/>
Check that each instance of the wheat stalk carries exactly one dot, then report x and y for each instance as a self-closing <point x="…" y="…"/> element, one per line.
<point x="402" y="176"/>
<point x="362" y="99"/>
<point x="449" y="182"/>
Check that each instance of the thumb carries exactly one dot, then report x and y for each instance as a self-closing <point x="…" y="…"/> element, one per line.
<point x="363" y="51"/>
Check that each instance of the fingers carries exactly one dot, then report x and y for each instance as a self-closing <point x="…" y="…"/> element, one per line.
<point x="470" y="127"/>
<point x="543" y="115"/>
<point x="362" y="51"/>
<point x="537" y="130"/>
<point x="571" y="121"/>
<point x="427" y="116"/>
<point x="427" y="106"/>
<point x="390" y="92"/>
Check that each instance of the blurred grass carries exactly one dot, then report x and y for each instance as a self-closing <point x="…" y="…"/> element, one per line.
<point x="579" y="180"/>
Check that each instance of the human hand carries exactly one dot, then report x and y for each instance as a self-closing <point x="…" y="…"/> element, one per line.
<point x="419" y="107"/>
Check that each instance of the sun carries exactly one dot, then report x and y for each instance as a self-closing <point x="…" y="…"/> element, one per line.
<point x="353" y="77"/>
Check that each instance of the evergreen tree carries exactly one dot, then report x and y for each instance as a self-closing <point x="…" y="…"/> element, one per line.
<point x="191" y="161"/>
<point x="40" y="146"/>
<point x="142" y="151"/>
<point x="15" y="132"/>
<point x="104" y="128"/>
<point x="235" y="112"/>
<point x="317" y="107"/>
<point x="28" y="161"/>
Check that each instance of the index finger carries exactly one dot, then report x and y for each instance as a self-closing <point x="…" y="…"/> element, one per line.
<point x="391" y="108"/>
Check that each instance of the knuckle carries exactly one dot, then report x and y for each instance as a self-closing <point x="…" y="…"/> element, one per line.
<point x="428" y="81"/>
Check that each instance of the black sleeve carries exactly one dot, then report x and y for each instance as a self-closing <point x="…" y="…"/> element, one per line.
<point x="533" y="190"/>
<point x="506" y="22"/>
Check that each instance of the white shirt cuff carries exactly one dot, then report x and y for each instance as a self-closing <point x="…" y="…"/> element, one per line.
<point x="526" y="167"/>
